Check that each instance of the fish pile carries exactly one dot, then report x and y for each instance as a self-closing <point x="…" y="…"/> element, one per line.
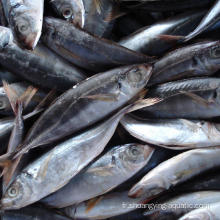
<point x="110" y="109"/>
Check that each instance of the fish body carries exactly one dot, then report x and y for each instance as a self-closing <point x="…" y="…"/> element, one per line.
<point x="148" y="40"/>
<point x="200" y="95"/>
<point x="103" y="207"/>
<point x="176" y="134"/>
<point x="198" y="59"/>
<point x="87" y="103"/>
<point x="54" y="169"/>
<point x="86" y="50"/>
<point x="40" y="66"/>
<point x="106" y="173"/>
<point x="174" y="171"/>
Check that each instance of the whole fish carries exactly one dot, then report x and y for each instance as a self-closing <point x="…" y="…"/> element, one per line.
<point x="25" y="18"/>
<point x="29" y="213"/>
<point x="86" y="50"/>
<point x="103" y="207"/>
<point x="148" y="40"/>
<point x="87" y="103"/>
<point x="54" y="169"/>
<point x="177" y="206"/>
<point x="200" y="95"/>
<point x="210" y="212"/>
<point x="72" y="10"/>
<point x="112" y="169"/>
<point x="198" y="59"/>
<point x="176" y="134"/>
<point x="174" y="171"/>
<point x="212" y="17"/>
<point x="41" y="66"/>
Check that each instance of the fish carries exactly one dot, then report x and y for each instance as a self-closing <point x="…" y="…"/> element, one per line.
<point x="103" y="207"/>
<point x="87" y="103"/>
<point x="26" y="19"/>
<point x="58" y="166"/>
<point x="106" y="173"/>
<point x="85" y="50"/>
<point x="199" y="59"/>
<point x="178" y="134"/>
<point x="209" y="212"/>
<point x="71" y="10"/>
<point x="32" y="212"/>
<point x="211" y="18"/>
<point x="151" y="40"/>
<point x="177" y="206"/>
<point x="41" y="66"/>
<point x="200" y="95"/>
<point x="170" y="173"/>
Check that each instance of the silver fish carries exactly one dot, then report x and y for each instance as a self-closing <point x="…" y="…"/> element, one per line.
<point x="26" y="19"/>
<point x="112" y="169"/>
<point x="87" y="103"/>
<point x="176" y="134"/>
<point x="174" y="171"/>
<point x="55" y="168"/>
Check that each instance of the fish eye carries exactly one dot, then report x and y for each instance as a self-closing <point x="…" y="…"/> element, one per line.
<point x="67" y="12"/>
<point x="13" y="192"/>
<point x="22" y="27"/>
<point x="215" y="52"/>
<point x="133" y="152"/>
<point x="135" y="77"/>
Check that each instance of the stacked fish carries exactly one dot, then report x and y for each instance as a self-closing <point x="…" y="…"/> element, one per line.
<point x="110" y="109"/>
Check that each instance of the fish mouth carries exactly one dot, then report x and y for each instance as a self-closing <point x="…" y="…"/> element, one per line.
<point x="5" y="204"/>
<point x="30" y="42"/>
<point x="136" y="192"/>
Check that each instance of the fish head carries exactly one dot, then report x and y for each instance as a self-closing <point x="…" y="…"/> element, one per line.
<point x="17" y="194"/>
<point x="135" y="155"/>
<point x="26" y="27"/>
<point x="73" y="11"/>
<point x="213" y="56"/>
<point x="135" y="78"/>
